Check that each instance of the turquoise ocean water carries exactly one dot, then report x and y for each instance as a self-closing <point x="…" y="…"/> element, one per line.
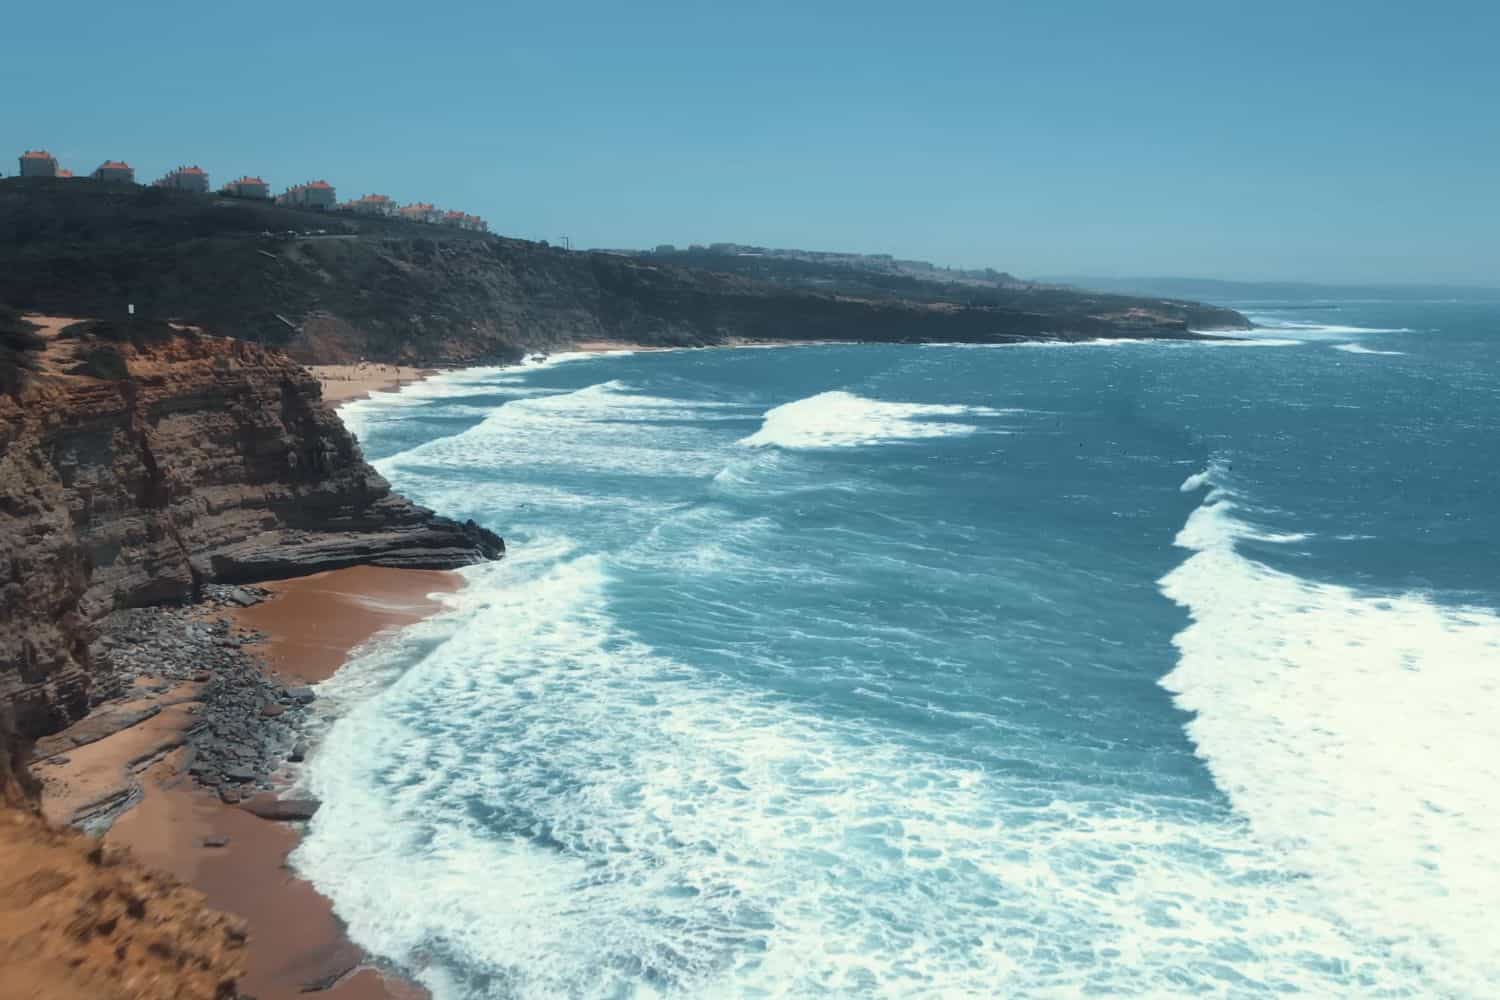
<point x="1119" y="669"/>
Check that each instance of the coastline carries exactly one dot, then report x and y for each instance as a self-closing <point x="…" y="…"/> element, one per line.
<point x="300" y="634"/>
<point x="346" y="383"/>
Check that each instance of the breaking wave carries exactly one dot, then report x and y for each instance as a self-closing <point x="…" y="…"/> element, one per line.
<point x="843" y="420"/>
<point x="1361" y="349"/>
<point x="1356" y="732"/>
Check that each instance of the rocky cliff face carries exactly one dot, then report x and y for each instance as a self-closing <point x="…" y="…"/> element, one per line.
<point x="140" y="462"/>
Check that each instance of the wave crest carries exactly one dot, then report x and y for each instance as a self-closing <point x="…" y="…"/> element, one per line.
<point x="843" y="420"/>
<point x="1355" y="732"/>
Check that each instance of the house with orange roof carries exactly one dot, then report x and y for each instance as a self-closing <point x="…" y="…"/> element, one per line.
<point x="421" y="212"/>
<point x="247" y="187"/>
<point x="462" y="220"/>
<point x="38" y="163"/>
<point x="193" y="179"/>
<point x="316" y="195"/>
<point x="374" y="204"/>
<point x="116" y="171"/>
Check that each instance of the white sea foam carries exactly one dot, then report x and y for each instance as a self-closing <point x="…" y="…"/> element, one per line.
<point x="1091" y="342"/>
<point x="1272" y="321"/>
<point x="1205" y="477"/>
<point x="1356" y="731"/>
<point x="1361" y="349"/>
<point x="843" y="420"/>
<point x="606" y="427"/>
<point x="357" y="414"/>
<point x="666" y="832"/>
<point x="555" y="808"/>
<point x="1246" y="339"/>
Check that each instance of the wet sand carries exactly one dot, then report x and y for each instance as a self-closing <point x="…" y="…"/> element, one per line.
<point x="296" y="941"/>
<point x="312" y="622"/>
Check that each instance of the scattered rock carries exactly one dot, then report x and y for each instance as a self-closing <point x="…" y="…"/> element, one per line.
<point x="245" y="726"/>
<point x="299" y="752"/>
<point x="282" y="810"/>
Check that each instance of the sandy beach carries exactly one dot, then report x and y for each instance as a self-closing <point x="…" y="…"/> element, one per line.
<point x="345" y="383"/>
<point x="235" y="858"/>
<point x="342" y="383"/>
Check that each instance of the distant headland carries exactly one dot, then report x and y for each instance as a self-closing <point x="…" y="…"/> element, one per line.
<point x="335" y="287"/>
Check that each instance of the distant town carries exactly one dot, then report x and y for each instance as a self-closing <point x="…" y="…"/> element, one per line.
<point x="318" y="195"/>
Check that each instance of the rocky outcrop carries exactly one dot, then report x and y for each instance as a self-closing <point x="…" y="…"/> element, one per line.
<point x="139" y="463"/>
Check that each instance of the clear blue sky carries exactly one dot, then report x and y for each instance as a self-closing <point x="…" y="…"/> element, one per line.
<point x="1323" y="139"/>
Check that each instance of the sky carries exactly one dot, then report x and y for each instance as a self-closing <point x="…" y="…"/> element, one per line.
<point x="1321" y="141"/>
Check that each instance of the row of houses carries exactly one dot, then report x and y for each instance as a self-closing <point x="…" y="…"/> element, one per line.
<point x="40" y="163"/>
<point x="317" y="195"/>
<point x="384" y="205"/>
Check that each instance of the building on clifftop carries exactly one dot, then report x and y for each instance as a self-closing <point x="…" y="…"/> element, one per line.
<point x="117" y="171"/>
<point x="374" y="204"/>
<point x="193" y="179"/>
<point x="247" y="187"/>
<point x="462" y="220"/>
<point x="421" y="212"/>
<point x="316" y="195"/>
<point x="38" y="163"/>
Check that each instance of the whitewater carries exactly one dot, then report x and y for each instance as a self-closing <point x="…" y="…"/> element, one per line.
<point x="1128" y="669"/>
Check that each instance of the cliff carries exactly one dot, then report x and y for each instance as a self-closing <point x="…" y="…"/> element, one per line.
<point x="330" y="288"/>
<point x="139" y="462"/>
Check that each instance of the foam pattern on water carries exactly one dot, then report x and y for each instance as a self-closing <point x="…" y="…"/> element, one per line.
<point x="791" y="721"/>
<point x="1356" y="731"/>
<point x="556" y="810"/>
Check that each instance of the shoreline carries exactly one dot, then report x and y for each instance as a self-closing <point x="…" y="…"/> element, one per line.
<point x="148" y="772"/>
<point x="346" y="383"/>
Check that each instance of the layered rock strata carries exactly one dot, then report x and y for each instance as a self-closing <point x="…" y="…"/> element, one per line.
<point x="138" y="464"/>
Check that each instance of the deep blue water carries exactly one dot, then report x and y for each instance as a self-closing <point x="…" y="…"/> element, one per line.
<point x="1114" y="669"/>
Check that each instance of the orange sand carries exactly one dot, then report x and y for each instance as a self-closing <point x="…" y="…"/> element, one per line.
<point x="314" y="621"/>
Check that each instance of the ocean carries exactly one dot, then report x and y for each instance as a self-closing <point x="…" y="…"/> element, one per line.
<point x="1112" y="669"/>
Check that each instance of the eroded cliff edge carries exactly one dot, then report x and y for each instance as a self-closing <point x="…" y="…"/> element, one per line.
<point x="139" y="462"/>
